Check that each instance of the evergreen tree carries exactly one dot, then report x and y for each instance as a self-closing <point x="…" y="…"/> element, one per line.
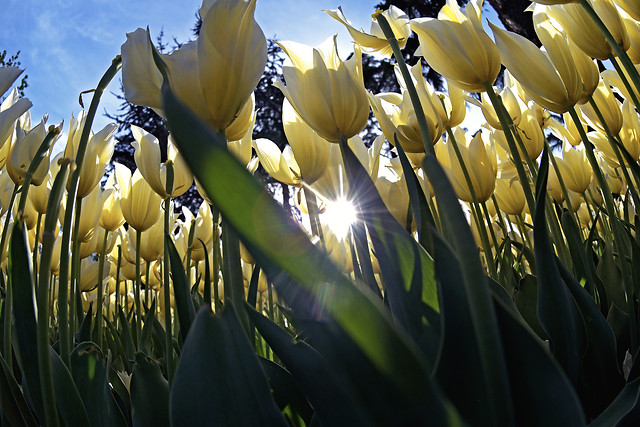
<point x="13" y="61"/>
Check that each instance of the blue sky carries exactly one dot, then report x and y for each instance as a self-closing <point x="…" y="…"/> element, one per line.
<point x="66" y="45"/>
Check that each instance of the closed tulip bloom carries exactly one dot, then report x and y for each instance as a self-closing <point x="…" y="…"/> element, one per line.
<point x="375" y="42"/>
<point x="575" y="169"/>
<point x="325" y="91"/>
<point x="23" y="152"/>
<point x="456" y="46"/>
<point x="633" y="30"/>
<point x="510" y="195"/>
<point x="39" y="195"/>
<point x="609" y="108"/>
<point x="632" y="7"/>
<point x="550" y="77"/>
<point x="630" y="132"/>
<point x="282" y="166"/>
<point x="395" y="196"/>
<point x="480" y="161"/>
<point x="310" y="150"/>
<point x="583" y="31"/>
<point x="91" y="212"/>
<point x="203" y="231"/>
<point x="147" y="158"/>
<point x="243" y="123"/>
<point x="98" y="154"/>
<point x="454" y="106"/>
<point x="10" y="110"/>
<point x="531" y="134"/>
<point x="139" y="203"/>
<point x="111" y="217"/>
<point x="488" y="111"/>
<point x="89" y="278"/>
<point x="151" y="241"/>
<point x="214" y="75"/>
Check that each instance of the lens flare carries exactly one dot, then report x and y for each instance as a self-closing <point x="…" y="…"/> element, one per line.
<point x="338" y="216"/>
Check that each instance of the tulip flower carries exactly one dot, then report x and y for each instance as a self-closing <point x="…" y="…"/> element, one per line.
<point x="550" y="77"/>
<point x="456" y="46"/>
<point x="214" y="75"/>
<point x="630" y="132"/>
<point x="281" y="166"/>
<point x="581" y="28"/>
<point x="375" y="42"/>
<point x="98" y="154"/>
<point x="147" y="158"/>
<point x="23" y="152"/>
<point x="111" y="218"/>
<point x="10" y="110"/>
<point x="480" y="160"/>
<point x="8" y="75"/>
<point x="139" y="203"/>
<point x="325" y="91"/>
<point x="309" y="149"/>
<point x="510" y="195"/>
<point x="574" y="167"/>
<point x="91" y="212"/>
<point x="608" y="106"/>
<point x="632" y="7"/>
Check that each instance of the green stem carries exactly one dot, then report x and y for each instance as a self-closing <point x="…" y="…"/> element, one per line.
<point x="216" y="258"/>
<point x="117" y="307"/>
<point x="506" y="123"/>
<point x="613" y="221"/>
<point x="167" y="293"/>
<point x="138" y="284"/>
<point x="8" y="299"/>
<point x="425" y="133"/>
<point x="75" y="272"/>
<point x="99" y="290"/>
<point x="314" y="218"/>
<point x="65" y="345"/>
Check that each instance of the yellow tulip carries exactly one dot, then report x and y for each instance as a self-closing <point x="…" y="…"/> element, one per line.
<point x="97" y="156"/>
<point x="583" y="31"/>
<point x="325" y="91"/>
<point x="151" y="241"/>
<point x="23" y="152"/>
<point x="508" y="99"/>
<point x="574" y="167"/>
<point x="456" y="46"/>
<point x="203" y="230"/>
<point x="111" y="218"/>
<point x="214" y="75"/>
<point x="11" y="109"/>
<point x="282" y="166"/>
<point x="310" y="150"/>
<point x="139" y="203"/>
<point x="609" y="108"/>
<point x="632" y="7"/>
<point x="550" y="78"/>
<point x="481" y="163"/>
<point x="243" y="123"/>
<point x="633" y="30"/>
<point x="510" y="195"/>
<point x="147" y="158"/>
<point x="89" y="278"/>
<point x="375" y="42"/>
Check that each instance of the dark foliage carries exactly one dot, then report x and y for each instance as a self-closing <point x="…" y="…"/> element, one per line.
<point x="13" y="61"/>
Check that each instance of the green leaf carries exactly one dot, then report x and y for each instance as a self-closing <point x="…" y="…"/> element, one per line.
<point x="126" y="337"/>
<point x="542" y="394"/>
<point x="68" y="400"/>
<point x="583" y="265"/>
<point x="184" y="303"/>
<point x="611" y="277"/>
<point x="146" y="336"/>
<point x="89" y="372"/>
<point x="557" y="311"/>
<point x="24" y="313"/>
<point x="285" y="389"/>
<point x="526" y="298"/>
<point x="84" y="333"/>
<point x="12" y="402"/>
<point x="626" y="402"/>
<point x="146" y="409"/>
<point x="329" y="394"/>
<point x="218" y="366"/>
<point x="483" y="318"/>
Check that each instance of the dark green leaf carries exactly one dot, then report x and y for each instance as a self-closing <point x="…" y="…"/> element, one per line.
<point x="150" y="394"/>
<point x="218" y="366"/>
<point x="526" y="298"/>
<point x="12" y="402"/>
<point x="184" y="303"/>
<point x="68" y="400"/>
<point x="627" y="401"/>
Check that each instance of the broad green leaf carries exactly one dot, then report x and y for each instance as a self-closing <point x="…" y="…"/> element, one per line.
<point x="24" y="313"/>
<point x="557" y="311"/>
<point x="583" y="265"/>
<point x="89" y="372"/>
<point x="84" y="333"/>
<point x="184" y="303"/>
<point x="285" y="389"/>
<point x="611" y="277"/>
<point x="406" y="268"/>
<point x="542" y="394"/>
<point x="619" y="412"/>
<point x="12" y="402"/>
<point x="68" y="400"/>
<point x="600" y="377"/>
<point x="126" y="337"/>
<point x="147" y="330"/>
<point x="477" y="292"/>
<point x="329" y="394"/>
<point x="218" y="366"/>
<point x="526" y="298"/>
<point x="149" y="394"/>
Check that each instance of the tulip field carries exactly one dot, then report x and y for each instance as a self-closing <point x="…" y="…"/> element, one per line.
<point x="486" y="278"/>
